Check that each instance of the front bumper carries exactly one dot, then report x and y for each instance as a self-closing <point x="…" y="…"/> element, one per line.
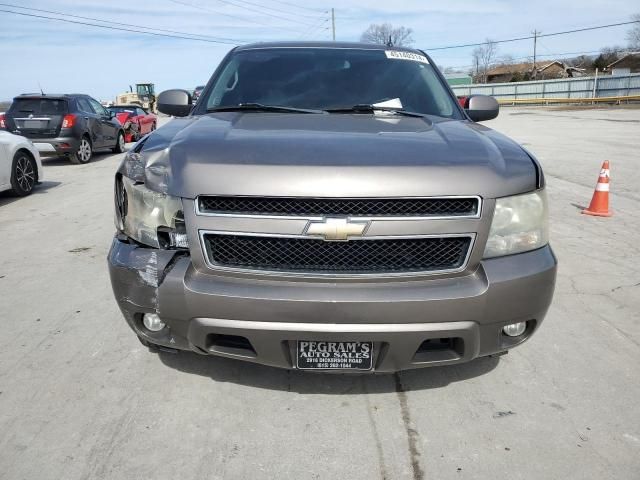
<point x="56" y="147"/>
<point x="200" y="308"/>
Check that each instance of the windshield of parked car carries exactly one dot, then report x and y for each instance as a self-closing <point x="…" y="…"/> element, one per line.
<point x="331" y="78"/>
<point x="122" y="109"/>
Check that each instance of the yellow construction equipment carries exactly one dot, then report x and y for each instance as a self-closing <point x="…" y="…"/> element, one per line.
<point x="144" y="95"/>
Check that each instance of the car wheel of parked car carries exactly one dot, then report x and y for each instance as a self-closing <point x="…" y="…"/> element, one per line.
<point x="119" y="148"/>
<point x="84" y="153"/>
<point x="24" y="174"/>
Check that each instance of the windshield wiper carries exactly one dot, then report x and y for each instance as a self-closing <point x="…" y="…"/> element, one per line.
<point x="369" y="108"/>
<point x="259" y="107"/>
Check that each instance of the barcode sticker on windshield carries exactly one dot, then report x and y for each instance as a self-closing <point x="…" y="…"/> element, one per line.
<point x="400" y="55"/>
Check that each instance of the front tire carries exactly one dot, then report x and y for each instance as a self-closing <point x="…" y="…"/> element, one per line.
<point x="24" y="174"/>
<point x="84" y="153"/>
<point x="119" y="148"/>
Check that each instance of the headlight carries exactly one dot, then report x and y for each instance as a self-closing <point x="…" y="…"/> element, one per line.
<point x="520" y="224"/>
<point x="134" y="165"/>
<point x="152" y="218"/>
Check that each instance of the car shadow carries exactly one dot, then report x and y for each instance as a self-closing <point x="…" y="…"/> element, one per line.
<point x="64" y="161"/>
<point x="227" y="370"/>
<point x="8" y="197"/>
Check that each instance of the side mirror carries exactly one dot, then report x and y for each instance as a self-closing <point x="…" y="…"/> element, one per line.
<point x="175" y="102"/>
<point x="111" y="113"/>
<point x="481" y="107"/>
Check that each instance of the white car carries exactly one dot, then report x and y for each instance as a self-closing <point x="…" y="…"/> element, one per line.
<point x="20" y="166"/>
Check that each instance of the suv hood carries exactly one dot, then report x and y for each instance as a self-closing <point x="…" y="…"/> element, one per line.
<point x="333" y="155"/>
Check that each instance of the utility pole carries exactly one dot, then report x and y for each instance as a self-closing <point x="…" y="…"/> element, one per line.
<point x="333" y="24"/>
<point x="535" y="42"/>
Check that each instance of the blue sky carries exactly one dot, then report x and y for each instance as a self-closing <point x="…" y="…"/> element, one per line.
<point x="66" y="57"/>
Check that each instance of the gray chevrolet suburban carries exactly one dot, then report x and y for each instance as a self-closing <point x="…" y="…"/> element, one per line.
<point x="331" y="207"/>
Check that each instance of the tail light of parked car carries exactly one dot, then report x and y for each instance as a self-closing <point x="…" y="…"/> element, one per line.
<point x="2" y="123"/>
<point x="69" y="120"/>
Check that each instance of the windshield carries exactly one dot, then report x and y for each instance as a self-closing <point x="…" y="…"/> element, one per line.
<point x="122" y="109"/>
<point x="331" y="78"/>
<point x="144" y="89"/>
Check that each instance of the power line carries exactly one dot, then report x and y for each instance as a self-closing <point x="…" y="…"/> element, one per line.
<point x="314" y="34"/>
<point x="201" y="7"/>
<point x="286" y="12"/>
<point x="244" y="19"/>
<point x="115" y="23"/>
<point x="109" y="27"/>
<point x="229" y="2"/>
<point x="314" y="30"/>
<point x="282" y="2"/>
<point x="529" y="37"/>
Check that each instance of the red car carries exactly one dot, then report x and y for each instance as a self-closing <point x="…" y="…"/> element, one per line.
<point x="462" y="100"/>
<point x="136" y="121"/>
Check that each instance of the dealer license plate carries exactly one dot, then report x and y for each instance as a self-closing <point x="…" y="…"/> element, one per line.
<point x="320" y="355"/>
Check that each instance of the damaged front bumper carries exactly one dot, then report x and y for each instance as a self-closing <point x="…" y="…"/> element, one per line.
<point x="136" y="275"/>
<point x="200" y="308"/>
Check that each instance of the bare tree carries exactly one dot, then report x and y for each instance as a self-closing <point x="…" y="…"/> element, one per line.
<point x="507" y="59"/>
<point x="581" y="61"/>
<point x="483" y="57"/>
<point x="633" y="35"/>
<point x="387" y="34"/>
<point x="607" y="56"/>
<point x="475" y="55"/>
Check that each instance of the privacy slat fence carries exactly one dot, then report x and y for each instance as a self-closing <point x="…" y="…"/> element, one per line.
<point x="580" y="89"/>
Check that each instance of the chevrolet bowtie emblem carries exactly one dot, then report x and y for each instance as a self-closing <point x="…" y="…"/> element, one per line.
<point x="336" y="229"/>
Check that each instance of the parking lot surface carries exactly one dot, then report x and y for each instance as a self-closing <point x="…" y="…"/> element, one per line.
<point x="80" y="398"/>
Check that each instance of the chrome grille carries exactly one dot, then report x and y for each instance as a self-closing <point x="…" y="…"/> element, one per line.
<point x="365" y="207"/>
<point x="301" y="254"/>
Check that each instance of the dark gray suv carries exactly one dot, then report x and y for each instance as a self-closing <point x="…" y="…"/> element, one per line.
<point x="331" y="207"/>
<point x="69" y="125"/>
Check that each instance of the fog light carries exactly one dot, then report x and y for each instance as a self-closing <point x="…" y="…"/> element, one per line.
<point x="152" y="322"/>
<point x="515" y="329"/>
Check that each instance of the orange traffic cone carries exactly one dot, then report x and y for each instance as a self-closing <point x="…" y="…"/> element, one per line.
<point x="599" y="205"/>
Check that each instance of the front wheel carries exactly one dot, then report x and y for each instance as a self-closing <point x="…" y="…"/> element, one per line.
<point x="119" y="148"/>
<point x="24" y="174"/>
<point x="84" y="153"/>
